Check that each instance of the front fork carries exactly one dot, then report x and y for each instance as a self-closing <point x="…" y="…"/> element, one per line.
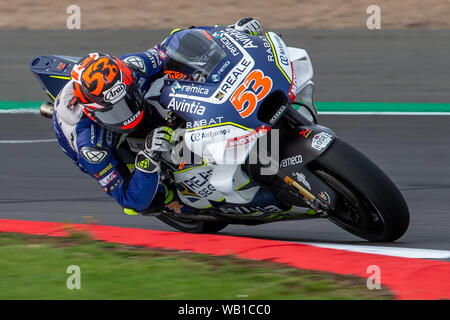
<point x="316" y="204"/>
<point x="301" y="142"/>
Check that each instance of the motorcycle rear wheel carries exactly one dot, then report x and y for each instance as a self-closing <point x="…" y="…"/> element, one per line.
<point x="369" y="205"/>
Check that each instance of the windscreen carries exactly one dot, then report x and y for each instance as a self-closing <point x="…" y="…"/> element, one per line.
<point x="196" y="49"/>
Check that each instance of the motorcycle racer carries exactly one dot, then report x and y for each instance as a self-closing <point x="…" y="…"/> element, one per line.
<point x="103" y="104"/>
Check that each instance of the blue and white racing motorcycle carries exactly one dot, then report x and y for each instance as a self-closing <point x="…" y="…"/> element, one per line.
<point x="251" y="150"/>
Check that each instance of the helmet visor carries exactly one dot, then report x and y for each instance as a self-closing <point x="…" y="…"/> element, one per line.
<point x="124" y="115"/>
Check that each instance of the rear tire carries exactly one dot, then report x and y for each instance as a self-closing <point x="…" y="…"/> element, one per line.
<point x="368" y="205"/>
<point x="192" y="226"/>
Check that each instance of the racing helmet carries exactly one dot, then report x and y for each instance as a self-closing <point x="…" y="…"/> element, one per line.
<point x="109" y="92"/>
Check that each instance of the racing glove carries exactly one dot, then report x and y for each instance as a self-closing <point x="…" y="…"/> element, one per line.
<point x="157" y="141"/>
<point x="250" y="26"/>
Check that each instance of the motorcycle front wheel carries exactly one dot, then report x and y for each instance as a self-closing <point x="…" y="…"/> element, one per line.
<point x="368" y="204"/>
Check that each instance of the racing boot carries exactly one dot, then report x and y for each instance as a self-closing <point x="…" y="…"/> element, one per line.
<point x="167" y="200"/>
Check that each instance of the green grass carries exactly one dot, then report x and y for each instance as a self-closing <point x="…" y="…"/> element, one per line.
<point x="34" y="267"/>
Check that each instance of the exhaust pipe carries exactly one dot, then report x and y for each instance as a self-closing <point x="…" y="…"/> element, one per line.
<point x="46" y="109"/>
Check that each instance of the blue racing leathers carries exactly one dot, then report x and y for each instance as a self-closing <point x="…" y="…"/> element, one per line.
<point x="100" y="152"/>
<point x="96" y="151"/>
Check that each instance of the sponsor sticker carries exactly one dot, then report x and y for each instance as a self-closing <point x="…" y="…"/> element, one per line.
<point x="94" y="155"/>
<point x="108" y="179"/>
<point x="218" y="34"/>
<point x="251" y="209"/>
<point x="152" y="54"/>
<point x="242" y="38"/>
<point x="104" y="171"/>
<point x="268" y="47"/>
<point x="247" y="138"/>
<point x="235" y="76"/>
<point x="137" y="62"/>
<point x="203" y="122"/>
<point x="113" y="186"/>
<point x="230" y="46"/>
<point x="305" y="133"/>
<point x="209" y="133"/>
<point x="294" y="86"/>
<point x="176" y="87"/>
<point x="324" y="197"/>
<point x="219" y="95"/>
<point x="284" y="60"/>
<point x="302" y="179"/>
<point x="277" y="115"/>
<point x="71" y="105"/>
<point x="291" y="161"/>
<point x="196" y="89"/>
<point x="175" y="74"/>
<point x="133" y="118"/>
<point x="215" y="78"/>
<point x="281" y="55"/>
<point x="199" y="184"/>
<point x="223" y="67"/>
<point x="281" y="50"/>
<point x="175" y="206"/>
<point x="92" y="134"/>
<point x="144" y="163"/>
<point x="61" y="66"/>
<point x="162" y="54"/>
<point x="115" y="93"/>
<point x="186" y="106"/>
<point x="321" y="141"/>
<point x="100" y="137"/>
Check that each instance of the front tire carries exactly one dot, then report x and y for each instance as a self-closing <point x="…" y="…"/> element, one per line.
<point x="368" y="203"/>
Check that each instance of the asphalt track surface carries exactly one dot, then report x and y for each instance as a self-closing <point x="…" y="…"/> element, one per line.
<point x="38" y="182"/>
<point x="364" y="66"/>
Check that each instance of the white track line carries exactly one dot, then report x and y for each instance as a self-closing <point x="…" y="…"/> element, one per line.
<point x="387" y="251"/>
<point x="19" y="111"/>
<point x="26" y="141"/>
